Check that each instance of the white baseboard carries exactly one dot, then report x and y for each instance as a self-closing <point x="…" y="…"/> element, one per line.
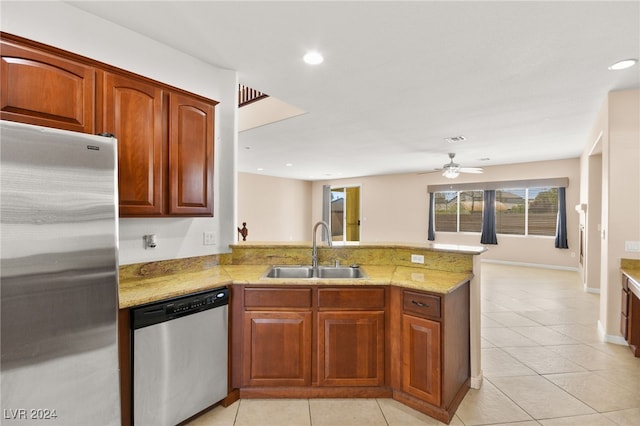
<point x="530" y="265"/>
<point x="476" y="381"/>
<point x="610" y="338"/>
<point x="591" y="290"/>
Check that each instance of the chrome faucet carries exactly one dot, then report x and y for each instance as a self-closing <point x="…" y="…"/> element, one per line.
<point x="314" y="250"/>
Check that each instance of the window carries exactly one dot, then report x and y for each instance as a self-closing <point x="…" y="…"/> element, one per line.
<point x="519" y="211"/>
<point x="543" y="211"/>
<point x="458" y="211"/>
<point x="511" y="211"/>
<point x="530" y="211"/>
<point x="446" y="211"/>
<point x="470" y="209"/>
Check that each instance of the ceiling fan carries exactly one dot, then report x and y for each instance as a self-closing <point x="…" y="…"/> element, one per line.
<point x="451" y="170"/>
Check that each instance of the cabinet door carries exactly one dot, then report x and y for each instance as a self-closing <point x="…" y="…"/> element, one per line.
<point x="421" y="363"/>
<point x="132" y="111"/>
<point x="191" y="130"/>
<point x="351" y="348"/>
<point x="277" y="348"/>
<point x="46" y="90"/>
<point x="624" y="306"/>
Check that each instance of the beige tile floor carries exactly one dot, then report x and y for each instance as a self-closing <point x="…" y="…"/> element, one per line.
<point x="542" y="360"/>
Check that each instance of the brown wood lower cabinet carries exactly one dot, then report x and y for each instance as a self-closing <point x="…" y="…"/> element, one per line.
<point x="277" y="348"/>
<point x="351" y="348"/>
<point x="352" y="341"/>
<point x="421" y="358"/>
<point x="630" y="315"/>
<point x="435" y="372"/>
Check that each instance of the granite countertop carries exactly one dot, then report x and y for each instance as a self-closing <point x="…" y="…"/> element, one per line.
<point x="139" y="290"/>
<point x="634" y="282"/>
<point x="446" y="248"/>
<point x="631" y="268"/>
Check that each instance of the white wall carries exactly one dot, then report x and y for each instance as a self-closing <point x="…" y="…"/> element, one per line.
<point x="275" y="209"/>
<point x="619" y="127"/>
<point x="394" y="209"/>
<point x="63" y="26"/>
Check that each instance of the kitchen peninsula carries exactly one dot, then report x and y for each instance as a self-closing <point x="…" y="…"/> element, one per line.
<point x="405" y="330"/>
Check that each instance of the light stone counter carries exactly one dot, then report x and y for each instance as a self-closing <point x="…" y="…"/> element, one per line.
<point x="142" y="290"/>
<point x="631" y="268"/>
<point x="139" y="290"/>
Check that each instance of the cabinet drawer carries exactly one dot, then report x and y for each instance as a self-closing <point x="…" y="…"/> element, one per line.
<point x="421" y="304"/>
<point x="274" y="298"/>
<point x="351" y="298"/>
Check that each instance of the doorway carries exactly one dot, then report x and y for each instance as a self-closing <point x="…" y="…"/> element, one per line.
<point x="345" y="214"/>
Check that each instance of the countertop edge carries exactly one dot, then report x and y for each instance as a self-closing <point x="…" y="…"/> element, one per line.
<point x="223" y="277"/>
<point x="447" y="248"/>
<point x="634" y="279"/>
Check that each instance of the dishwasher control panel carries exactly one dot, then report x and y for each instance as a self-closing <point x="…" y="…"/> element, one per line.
<point x="167" y="310"/>
<point x="197" y="302"/>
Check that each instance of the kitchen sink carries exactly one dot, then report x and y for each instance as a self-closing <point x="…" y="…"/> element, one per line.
<point x="340" y="272"/>
<point x="290" y="272"/>
<point x="322" y="272"/>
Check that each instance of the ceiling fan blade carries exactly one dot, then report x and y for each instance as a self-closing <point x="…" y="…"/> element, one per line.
<point x="471" y="170"/>
<point x="429" y="171"/>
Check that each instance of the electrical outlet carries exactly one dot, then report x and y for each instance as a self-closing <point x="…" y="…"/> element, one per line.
<point x="209" y="238"/>
<point x="632" y="246"/>
<point x="417" y="258"/>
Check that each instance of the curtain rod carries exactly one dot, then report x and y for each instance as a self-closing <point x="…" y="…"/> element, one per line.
<point x="505" y="184"/>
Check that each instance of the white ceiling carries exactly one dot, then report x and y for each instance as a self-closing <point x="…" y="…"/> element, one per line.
<point x="522" y="81"/>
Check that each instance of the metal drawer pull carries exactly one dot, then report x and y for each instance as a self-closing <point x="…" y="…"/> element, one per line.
<point x="422" y="305"/>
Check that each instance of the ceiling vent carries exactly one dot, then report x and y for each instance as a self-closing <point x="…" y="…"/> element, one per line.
<point x="454" y="139"/>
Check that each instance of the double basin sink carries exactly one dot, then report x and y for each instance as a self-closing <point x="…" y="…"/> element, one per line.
<point x="321" y="272"/>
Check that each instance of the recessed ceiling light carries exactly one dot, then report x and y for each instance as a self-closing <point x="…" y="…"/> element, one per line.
<point x="623" y="65"/>
<point x="260" y="169"/>
<point x="313" y="58"/>
<point x="289" y="164"/>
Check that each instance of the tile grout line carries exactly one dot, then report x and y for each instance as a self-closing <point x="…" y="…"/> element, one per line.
<point x="510" y="399"/>
<point x="382" y="411"/>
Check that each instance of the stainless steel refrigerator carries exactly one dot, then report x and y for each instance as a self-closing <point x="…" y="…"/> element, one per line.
<point x="59" y="277"/>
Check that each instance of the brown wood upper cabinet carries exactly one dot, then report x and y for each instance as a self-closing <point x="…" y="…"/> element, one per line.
<point x="165" y="135"/>
<point x="46" y="90"/>
<point x="132" y="111"/>
<point x="191" y="129"/>
<point x="157" y="178"/>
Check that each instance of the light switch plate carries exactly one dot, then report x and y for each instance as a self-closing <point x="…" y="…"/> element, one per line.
<point x="417" y="258"/>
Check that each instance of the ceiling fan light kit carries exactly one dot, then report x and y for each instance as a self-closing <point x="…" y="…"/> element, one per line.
<point x="452" y="170"/>
<point x="450" y="173"/>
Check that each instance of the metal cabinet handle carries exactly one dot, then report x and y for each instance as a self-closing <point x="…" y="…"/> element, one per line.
<point x="422" y="305"/>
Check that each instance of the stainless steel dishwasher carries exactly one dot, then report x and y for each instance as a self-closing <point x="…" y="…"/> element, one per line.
<point x="179" y="357"/>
